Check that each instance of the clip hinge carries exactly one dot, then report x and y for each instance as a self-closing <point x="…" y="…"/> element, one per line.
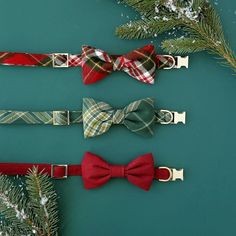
<point x="179" y="117"/>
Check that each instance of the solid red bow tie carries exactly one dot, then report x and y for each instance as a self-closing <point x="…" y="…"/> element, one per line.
<point x="96" y="64"/>
<point x="96" y="172"/>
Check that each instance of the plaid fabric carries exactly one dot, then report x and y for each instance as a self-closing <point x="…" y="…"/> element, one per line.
<point x="45" y="60"/>
<point x="74" y="60"/>
<point x="46" y="117"/>
<point x="98" y="117"/>
<point x="139" y="64"/>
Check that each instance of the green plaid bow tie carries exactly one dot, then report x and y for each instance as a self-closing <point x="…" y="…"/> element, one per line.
<point x="138" y="116"/>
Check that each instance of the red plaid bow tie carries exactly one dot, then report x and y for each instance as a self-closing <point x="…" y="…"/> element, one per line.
<point x="139" y="64"/>
<point x="96" y="172"/>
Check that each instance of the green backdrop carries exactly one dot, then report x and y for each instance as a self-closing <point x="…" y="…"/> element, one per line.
<point x="204" y="204"/>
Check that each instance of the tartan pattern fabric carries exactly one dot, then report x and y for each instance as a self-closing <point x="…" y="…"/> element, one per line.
<point x="61" y="117"/>
<point x="46" y="117"/>
<point x="45" y="60"/>
<point x="139" y="64"/>
<point x="96" y="64"/>
<point x="25" y="59"/>
<point x="74" y="60"/>
<point x="138" y="116"/>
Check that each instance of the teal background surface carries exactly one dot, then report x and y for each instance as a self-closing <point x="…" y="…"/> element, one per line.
<point x="204" y="204"/>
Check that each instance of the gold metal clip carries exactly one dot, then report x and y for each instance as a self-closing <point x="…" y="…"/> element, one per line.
<point x="181" y="61"/>
<point x="177" y="174"/>
<point x="179" y="117"/>
<point x="174" y="174"/>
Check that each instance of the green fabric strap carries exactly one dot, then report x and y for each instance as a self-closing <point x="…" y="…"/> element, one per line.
<point x="45" y="117"/>
<point x="60" y="117"/>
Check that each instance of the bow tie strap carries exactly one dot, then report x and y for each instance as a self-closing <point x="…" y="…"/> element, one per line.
<point x="96" y="172"/>
<point x="97" y="117"/>
<point x="140" y="64"/>
<point x="41" y="117"/>
<point x="63" y="60"/>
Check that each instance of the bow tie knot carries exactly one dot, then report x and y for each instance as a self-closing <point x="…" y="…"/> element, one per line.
<point x="138" y="116"/>
<point x="118" y="117"/>
<point x="139" y="64"/>
<point x="119" y="63"/>
<point x="117" y="171"/>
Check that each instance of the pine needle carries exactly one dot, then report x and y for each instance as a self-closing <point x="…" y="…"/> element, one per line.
<point x="30" y="209"/>
<point x="196" y="18"/>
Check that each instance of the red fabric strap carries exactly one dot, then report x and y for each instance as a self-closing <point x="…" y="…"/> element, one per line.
<point x="95" y="171"/>
<point x="59" y="171"/>
<point x="46" y="60"/>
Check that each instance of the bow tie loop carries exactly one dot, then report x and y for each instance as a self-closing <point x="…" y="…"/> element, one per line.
<point x="118" y="171"/>
<point x="139" y="117"/>
<point x="96" y="171"/>
<point x="139" y="64"/>
<point x="118" y="117"/>
<point x="120" y="63"/>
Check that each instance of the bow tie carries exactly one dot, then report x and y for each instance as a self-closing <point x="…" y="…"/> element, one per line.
<point x="138" y="117"/>
<point x="139" y="64"/>
<point x="96" y="171"/>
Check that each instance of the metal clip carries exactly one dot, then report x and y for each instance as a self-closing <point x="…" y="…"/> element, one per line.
<point x="65" y="171"/>
<point x="179" y="117"/>
<point x="172" y="65"/>
<point x="57" y="61"/>
<point x="61" y="117"/>
<point x="181" y="61"/>
<point x="173" y="174"/>
<point x="177" y="174"/>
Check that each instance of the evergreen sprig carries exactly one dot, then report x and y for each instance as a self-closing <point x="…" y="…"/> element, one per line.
<point x="196" y="18"/>
<point x="28" y="209"/>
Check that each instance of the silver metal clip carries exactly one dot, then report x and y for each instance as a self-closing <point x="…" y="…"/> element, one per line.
<point x="181" y="61"/>
<point x="179" y="117"/>
<point x="173" y="174"/>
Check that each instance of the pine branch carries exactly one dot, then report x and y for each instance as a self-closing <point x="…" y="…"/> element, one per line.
<point x="14" y="207"/>
<point x="29" y="210"/>
<point x="183" y="46"/>
<point x="143" y="7"/>
<point x="197" y="18"/>
<point x="145" y="28"/>
<point x="43" y="200"/>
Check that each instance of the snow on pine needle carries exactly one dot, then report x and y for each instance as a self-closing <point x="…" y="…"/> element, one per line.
<point x="196" y="20"/>
<point x="28" y="208"/>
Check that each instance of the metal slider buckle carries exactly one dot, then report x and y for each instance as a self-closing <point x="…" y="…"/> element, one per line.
<point x="65" y="173"/>
<point x="57" y="63"/>
<point x="176" y="117"/>
<point x="174" y="174"/>
<point x="179" y="61"/>
<point x="56" y="121"/>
